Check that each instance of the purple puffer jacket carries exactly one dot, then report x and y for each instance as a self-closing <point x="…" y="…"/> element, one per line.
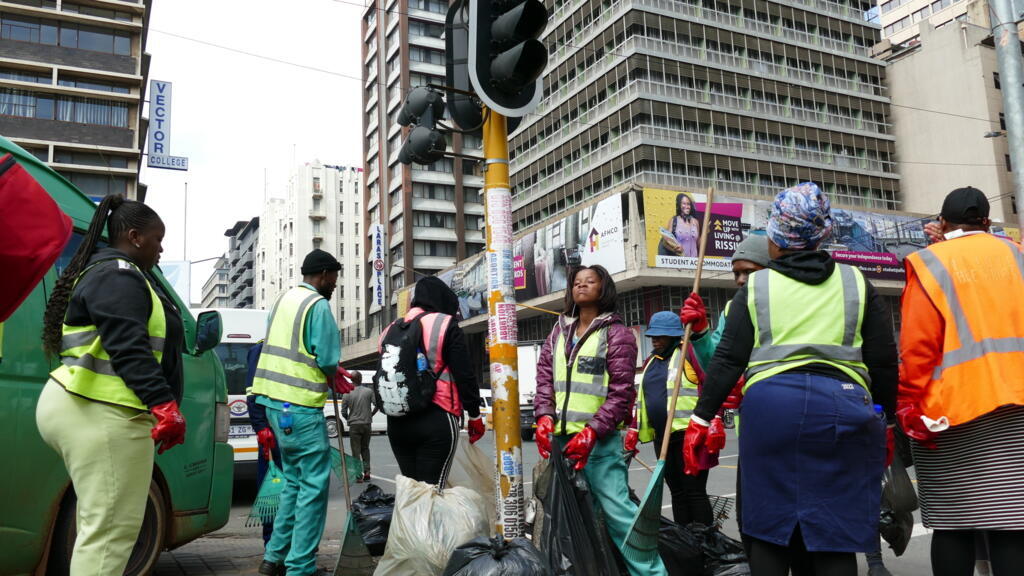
<point x="621" y="366"/>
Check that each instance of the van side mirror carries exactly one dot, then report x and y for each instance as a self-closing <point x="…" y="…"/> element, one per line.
<point x="208" y="331"/>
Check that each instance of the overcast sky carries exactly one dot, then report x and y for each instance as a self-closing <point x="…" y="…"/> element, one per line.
<point x="238" y="117"/>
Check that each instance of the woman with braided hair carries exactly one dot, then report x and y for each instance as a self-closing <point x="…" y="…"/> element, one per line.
<point x="116" y="390"/>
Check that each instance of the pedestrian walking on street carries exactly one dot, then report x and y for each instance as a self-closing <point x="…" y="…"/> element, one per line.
<point x="357" y="408"/>
<point x="961" y="393"/>
<point x="814" y="341"/>
<point x="116" y="392"/>
<point x="689" y="493"/>
<point x="424" y="441"/>
<point x="295" y="369"/>
<point x="585" y="394"/>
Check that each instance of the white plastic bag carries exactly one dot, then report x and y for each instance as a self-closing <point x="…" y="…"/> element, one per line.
<point x="475" y="469"/>
<point x="428" y="526"/>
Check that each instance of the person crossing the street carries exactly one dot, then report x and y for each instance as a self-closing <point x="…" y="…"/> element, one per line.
<point x="295" y="369"/>
<point x="814" y="341"/>
<point x="961" y="391"/>
<point x="358" y="408"/>
<point x="585" y="394"/>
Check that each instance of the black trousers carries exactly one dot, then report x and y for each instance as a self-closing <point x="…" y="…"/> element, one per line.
<point x="689" y="493"/>
<point x="767" y="559"/>
<point x="954" y="552"/>
<point x="424" y="444"/>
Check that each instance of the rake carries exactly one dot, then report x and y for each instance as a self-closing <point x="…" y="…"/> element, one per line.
<point x="642" y="538"/>
<point x="354" y="559"/>
<point x="264" y="508"/>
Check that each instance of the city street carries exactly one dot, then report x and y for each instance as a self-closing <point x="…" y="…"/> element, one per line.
<point x="236" y="549"/>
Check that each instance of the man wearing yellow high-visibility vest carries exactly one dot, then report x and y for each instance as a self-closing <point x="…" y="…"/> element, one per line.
<point x="296" y="367"/>
<point x="814" y="340"/>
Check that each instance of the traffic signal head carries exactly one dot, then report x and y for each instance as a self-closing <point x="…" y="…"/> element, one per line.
<point x="423" y="146"/>
<point x="505" y="57"/>
<point x="422" y="106"/>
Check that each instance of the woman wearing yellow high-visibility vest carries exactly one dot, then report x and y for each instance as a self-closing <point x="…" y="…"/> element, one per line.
<point x="116" y="391"/>
<point x="585" y="394"/>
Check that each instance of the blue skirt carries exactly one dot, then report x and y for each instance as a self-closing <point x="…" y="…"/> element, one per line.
<point x="813" y="452"/>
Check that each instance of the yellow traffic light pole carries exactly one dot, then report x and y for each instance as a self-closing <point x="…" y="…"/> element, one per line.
<point x="501" y="327"/>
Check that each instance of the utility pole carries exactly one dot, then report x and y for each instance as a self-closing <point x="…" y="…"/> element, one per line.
<point x="1011" y="78"/>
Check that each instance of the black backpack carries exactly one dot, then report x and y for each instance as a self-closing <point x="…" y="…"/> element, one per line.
<point x="404" y="383"/>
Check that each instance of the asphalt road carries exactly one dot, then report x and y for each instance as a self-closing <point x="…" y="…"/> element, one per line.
<point x="722" y="482"/>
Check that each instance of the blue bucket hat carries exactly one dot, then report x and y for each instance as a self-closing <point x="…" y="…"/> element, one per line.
<point x="801" y="218"/>
<point x="665" y="323"/>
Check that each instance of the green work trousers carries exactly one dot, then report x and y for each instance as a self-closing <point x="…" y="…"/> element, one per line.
<point x="108" y="453"/>
<point x="302" y="511"/>
<point x="608" y="475"/>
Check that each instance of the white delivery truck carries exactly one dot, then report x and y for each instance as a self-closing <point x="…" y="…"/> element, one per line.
<point x="242" y="329"/>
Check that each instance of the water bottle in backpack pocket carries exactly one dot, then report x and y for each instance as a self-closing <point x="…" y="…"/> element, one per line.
<point x="404" y="383"/>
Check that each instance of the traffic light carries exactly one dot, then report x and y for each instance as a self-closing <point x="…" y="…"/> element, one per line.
<point x="505" y="57"/>
<point x="422" y="109"/>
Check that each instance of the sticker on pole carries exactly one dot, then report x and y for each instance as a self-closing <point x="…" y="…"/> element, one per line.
<point x="499" y="216"/>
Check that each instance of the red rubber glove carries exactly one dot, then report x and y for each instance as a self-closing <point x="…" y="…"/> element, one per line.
<point x="170" y="426"/>
<point x="545" y="426"/>
<point x="630" y="441"/>
<point x="476" y="429"/>
<point x="265" y="438"/>
<point x="579" y="447"/>
<point x="695" y="438"/>
<point x="716" y="436"/>
<point x="695" y="313"/>
<point x="890" y="444"/>
<point x="909" y="416"/>
<point x="342" y="383"/>
<point x="732" y="401"/>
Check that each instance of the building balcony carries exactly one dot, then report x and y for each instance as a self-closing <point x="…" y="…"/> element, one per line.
<point x="690" y="97"/>
<point x="317" y="215"/>
<point x="317" y="235"/>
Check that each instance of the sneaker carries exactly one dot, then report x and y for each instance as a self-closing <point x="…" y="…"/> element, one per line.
<point x="878" y="570"/>
<point x="366" y="477"/>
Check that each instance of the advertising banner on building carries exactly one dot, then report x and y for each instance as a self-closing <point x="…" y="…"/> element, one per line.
<point x="158" y="153"/>
<point x="594" y="235"/>
<point x="379" y="276"/>
<point x="469" y="282"/>
<point x="673" y="220"/>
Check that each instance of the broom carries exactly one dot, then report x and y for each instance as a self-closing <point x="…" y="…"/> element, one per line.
<point x="264" y="508"/>
<point x="354" y="558"/>
<point x="642" y="538"/>
<point x="353" y="465"/>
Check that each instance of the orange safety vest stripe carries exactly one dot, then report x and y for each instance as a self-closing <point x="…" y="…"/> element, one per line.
<point x="974" y="282"/>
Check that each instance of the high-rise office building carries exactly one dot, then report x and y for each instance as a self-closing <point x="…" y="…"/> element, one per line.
<point x="72" y="81"/>
<point x="241" y="262"/>
<point x="215" y="289"/>
<point x="432" y="215"/>
<point x="901" y="18"/>
<point x="323" y="210"/>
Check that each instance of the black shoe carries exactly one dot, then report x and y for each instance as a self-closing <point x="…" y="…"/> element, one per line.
<point x="271" y="569"/>
<point x="323" y="572"/>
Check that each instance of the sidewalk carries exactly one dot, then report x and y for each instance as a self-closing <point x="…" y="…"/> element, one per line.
<point x="227" y="556"/>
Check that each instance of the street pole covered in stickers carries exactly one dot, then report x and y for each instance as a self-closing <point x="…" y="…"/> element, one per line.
<point x="505" y="62"/>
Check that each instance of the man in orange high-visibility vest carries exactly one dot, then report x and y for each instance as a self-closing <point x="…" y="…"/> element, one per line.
<point x="961" y="394"/>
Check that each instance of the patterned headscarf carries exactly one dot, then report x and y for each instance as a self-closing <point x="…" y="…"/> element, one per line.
<point x="801" y="218"/>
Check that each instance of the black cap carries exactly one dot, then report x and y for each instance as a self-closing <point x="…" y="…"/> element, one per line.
<point x="965" y="206"/>
<point x="319" y="261"/>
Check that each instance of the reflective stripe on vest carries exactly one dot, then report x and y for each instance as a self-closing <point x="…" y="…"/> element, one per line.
<point x="978" y="357"/>
<point x="86" y="369"/>
<point x="578" y="394"/>
<point x="684" y="406"/>
<point x="286" y="372"/>
<point x="796" y="324"/>
<point x="435" y="328"/>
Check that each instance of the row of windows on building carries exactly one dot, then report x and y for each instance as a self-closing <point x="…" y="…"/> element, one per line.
<point x="63" y="80"/>
<point x="26" y="104"/>
<point x="77" y="9"/>
<point x="65" y="34"/>
<point x="922" y="14"/>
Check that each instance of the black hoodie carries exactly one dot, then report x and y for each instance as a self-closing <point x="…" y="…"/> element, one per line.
<point x="433" y="295"/>
<point x="733" y="352"/>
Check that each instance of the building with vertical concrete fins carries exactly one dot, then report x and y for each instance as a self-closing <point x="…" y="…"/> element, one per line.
<point x="73" y="79"/>
<point x="432" y="215"/>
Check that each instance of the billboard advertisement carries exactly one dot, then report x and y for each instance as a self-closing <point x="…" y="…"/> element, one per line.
<point x="594" y="235"/>
<point x="673" y="220"/>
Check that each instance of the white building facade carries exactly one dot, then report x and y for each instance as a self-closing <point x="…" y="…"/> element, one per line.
<point x="322" y="210"/>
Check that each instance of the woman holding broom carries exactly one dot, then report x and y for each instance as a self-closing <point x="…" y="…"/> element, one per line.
<point x="814" y="341"/>
<point x="585" y="394"/>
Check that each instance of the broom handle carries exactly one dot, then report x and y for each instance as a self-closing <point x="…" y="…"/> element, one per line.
<point x="686" y="335"/>
<point x="341" y="448"/>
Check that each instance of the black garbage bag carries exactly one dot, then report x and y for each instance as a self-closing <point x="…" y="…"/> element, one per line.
<point x="897" y="489"/>
<point x="567" y="529"/>
<point x="720" y="551"/>
<point x="372" y="511"/>
<point x="896" y="528"/>
<point x="496" y="557"/>
<point x="679" y="549"/>
<point x="741" y="569"/>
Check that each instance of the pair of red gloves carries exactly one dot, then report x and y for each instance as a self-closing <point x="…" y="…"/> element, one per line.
<point x="170" y="426"/>
<point x="578" y="449"/>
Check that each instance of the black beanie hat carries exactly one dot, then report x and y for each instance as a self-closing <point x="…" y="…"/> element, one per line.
<point x="319" y="261"/>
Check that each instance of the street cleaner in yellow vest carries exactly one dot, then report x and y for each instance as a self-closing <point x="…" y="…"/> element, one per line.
<point x="298" y="362"/>
<point x="585" y="395"/>
<point x="689" y="493"/>
<point x="814" y="340"/>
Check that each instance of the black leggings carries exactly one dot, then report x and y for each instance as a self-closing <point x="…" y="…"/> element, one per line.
<point x="767" y="559"/>
<point x="954" y="552"/>
<point x="424" y="444"/>
<point x="689" y="493"/>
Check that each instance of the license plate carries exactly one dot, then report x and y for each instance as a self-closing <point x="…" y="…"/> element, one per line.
<point x="240" y="431"/>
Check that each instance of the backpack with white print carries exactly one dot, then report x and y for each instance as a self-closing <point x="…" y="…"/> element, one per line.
<point x="404" y="383"/>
